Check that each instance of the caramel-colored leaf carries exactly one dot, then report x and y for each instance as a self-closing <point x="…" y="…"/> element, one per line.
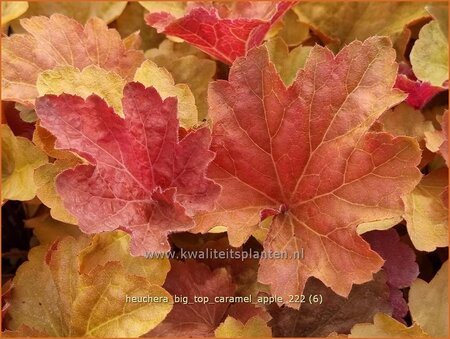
<point x="428" y="303"/>
<point x="425" y="213"/>
<point x="60" y="41"/>
<point x="304" y="155"/>
<point x="74" y="304"/>
<point x="47" y="230"/>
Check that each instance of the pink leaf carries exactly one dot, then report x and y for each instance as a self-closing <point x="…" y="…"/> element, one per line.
<point x="141" y="177"/>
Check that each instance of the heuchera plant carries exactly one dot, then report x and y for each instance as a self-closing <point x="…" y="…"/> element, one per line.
<point x="140" y="138"/>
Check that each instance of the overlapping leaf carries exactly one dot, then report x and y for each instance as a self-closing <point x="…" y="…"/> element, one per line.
<point x="81" y="11"/>
<point x="429" y="55"/>
<point x="400" y="266"/>
<point x="74" y="304"/>
<point x="304" y="155"/>
<point x="12" y="10"/>
<point x="339" y="24"/>
<point x="25" y="56"/>
<point x="419" y="92"/>
<point x="385" y="327"/>
<point x="428" y="303"/>
<point x="19" y="160"/>
<point x="187" y="65"/>
<point x="426" y="214"/>
<point x="254" y="328"/>
<point x="225" y="31"/>
<point x="142" y="177"/>
<point x="191" y="279"/>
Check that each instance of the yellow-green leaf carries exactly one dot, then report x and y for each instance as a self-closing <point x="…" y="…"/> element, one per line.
<point x="44" y="177"/>
<point x="52" y="296"/>
<point x="187" y="65"/>
<point x="12" y="10"/>
<point x="428" y="303"/>
<point x="439" y="11"/>
<point x="255" y="327"/>
<point x="342" y="22"/>
<point x="91" y="80"/>
<point x="292" y="31"/>
<point x="149" y="74"/>
<point x="287" y="63"/>
<point x="386" y="327"/>
<point x="114" y="246"/>
<point x="102" y="310"/>
<point x="426" y="214"/>
<point x="19" y="160"/>
<point x="429" y="55"/>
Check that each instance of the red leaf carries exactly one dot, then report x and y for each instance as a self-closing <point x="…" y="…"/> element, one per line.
<point x="306" y="152"/>
<point x="141" y="179"/>
<point x="419" y="92"/>
<point x="191" y="279"/>
<point x="400" y="265"/>
<point x="219" y="31"/>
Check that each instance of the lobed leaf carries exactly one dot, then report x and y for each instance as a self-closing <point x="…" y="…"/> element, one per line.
<point x="304" y="155"/>
<point x="141" y="178"/>
<point x="187" y="65"/>
<point x="90" y="80"/>
<point x="255" y="327"/>
<point x="81" y="11"/>
<point x="428" y="303"/>
<point x="400" y="266"/>
<point x="386" y="327"/>
<point x="429" y="55"/>
<point x="19" y="160"/>
<point x="72" y="303"/>
<point x="25" y="56"/>
<point x="191" y="279"/>
<point x="224" y="31"/>
<point x="150" y="75"/>
<point x="426" y="214"/>
<point x="341" y="23"/>
<point x="12" y="10"/>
